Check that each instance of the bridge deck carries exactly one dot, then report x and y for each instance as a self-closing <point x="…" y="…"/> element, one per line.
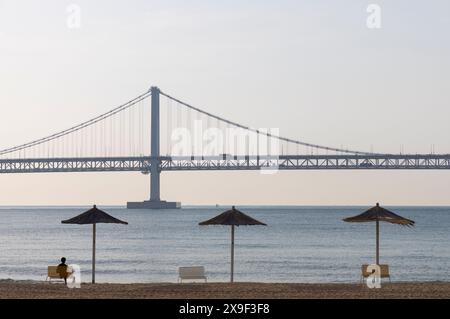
<point x="209" y="163"/>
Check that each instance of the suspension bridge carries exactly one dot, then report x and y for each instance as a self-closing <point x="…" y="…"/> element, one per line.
<point x="128" y="139"/>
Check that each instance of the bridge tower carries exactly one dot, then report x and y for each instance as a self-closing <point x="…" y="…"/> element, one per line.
<point x="155" y="201"/>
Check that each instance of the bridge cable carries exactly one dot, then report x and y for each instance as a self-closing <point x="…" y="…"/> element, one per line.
<point x="269" y="135"/>
<point x="77" y="127"/>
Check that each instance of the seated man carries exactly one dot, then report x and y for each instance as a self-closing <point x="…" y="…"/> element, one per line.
<point x="62" y="270"/>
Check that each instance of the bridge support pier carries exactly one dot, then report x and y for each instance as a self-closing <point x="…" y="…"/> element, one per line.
<point x="155" y="201"/>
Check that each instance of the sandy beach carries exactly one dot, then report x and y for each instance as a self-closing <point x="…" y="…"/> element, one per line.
<point x="41" y="290"/>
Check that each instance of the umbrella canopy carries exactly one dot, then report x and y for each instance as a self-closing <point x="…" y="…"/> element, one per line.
<point x="232" y="217"/>
<point x="93" y="216"/>
<point x="379" y="214"/>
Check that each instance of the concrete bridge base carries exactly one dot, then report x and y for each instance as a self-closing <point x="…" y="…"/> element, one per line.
<point x="153" y="205"/>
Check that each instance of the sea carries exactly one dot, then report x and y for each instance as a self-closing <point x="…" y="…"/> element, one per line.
<point x="299" y="244"/>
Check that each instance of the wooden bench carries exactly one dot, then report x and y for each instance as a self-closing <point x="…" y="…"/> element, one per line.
<point x="52" y="273"/>
<point x="191" y="273"/>
<point x="384" y="269"/>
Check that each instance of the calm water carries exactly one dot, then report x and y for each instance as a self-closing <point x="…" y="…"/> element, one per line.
<point x="301" y="244"/>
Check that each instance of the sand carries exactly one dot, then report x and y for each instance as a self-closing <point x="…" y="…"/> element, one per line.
<point x="29" y="289"/>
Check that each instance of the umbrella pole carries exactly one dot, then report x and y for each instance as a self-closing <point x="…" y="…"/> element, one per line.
<point x="378" y="241"/>
<point x="93" y="253"/>
<point x="232" y="253"/>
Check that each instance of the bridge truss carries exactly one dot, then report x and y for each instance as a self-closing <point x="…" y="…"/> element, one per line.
<point x="226" y="163"/>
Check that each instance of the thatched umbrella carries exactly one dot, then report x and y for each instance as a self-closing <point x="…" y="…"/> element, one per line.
<point x="379" y="214"/>
<point x="232" y="217"/>
<point x="93" y="216"/>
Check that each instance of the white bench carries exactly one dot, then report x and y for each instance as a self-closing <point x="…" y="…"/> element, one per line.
<point x="384" y="269"/>
<point x="191" y="273"/>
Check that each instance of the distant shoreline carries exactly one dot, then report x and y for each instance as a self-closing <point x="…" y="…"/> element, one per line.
<point x="224" y="206"/>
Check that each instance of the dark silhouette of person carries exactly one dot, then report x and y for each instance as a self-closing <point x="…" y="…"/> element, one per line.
<point x="62" y="269"/>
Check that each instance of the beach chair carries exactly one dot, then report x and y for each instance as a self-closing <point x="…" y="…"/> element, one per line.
<point x="384" y="269"/>
<point x="52" y="273"/>
<point x="191" y="273"/>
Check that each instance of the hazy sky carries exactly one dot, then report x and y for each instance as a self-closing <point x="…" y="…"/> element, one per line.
<point x="311" y="68"/>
